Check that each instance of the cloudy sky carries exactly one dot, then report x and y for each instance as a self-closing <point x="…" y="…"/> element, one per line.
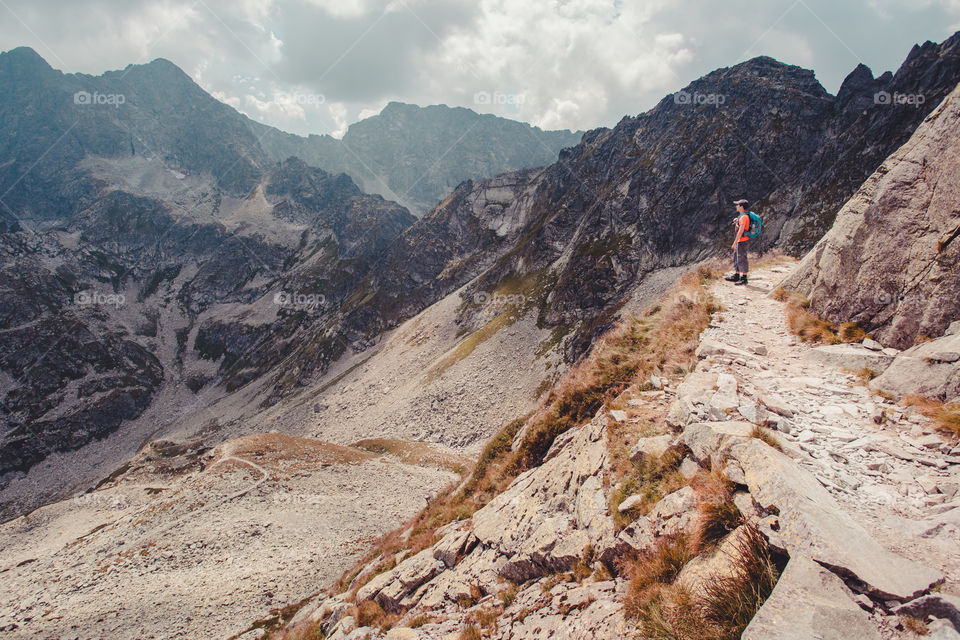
<point x="315" y="66"/>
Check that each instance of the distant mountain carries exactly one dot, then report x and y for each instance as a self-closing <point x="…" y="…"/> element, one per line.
<point x="138" y="212"/>
<point x="417" y="155"/>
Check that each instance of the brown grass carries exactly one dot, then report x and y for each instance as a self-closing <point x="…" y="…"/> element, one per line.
<point x="420" y="454"/>
<point x="371" y="614"/>
<point x="654" y="569"/>
<point x="945" y="417"/>
<point x="914" y="625"/>
<point x="717" y="515"/>
<point x="724" y="608"/>
<point x="766" y="436"/>
<point x="810" y="328"/>
<point x="471" y="632"/>
<point x="730" y="601"/>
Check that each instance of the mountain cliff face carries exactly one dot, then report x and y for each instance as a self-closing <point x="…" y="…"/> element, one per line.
<point x="651" y="193"/>
<point x="889" y="263"/>
<point x="417" y="155"/>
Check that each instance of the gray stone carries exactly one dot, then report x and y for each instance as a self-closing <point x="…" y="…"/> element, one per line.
<point x="745" y="504"/>
<point x="759" y="349"/>
<point x="689" y="468"/>
<point x="753" y="413"/>
<point x="810" y="602"/>
<point x="619" y="415"/>
<point x="852" y="357"/>
<point x="776" y="404"/>
<point x="548" y="515"/>
<point x="864" y="268"/>
<point x="709" y="347"/>
<point x="453" y="545"/>
<point x="813" y="525"/>
<point x="674" y="513"/>
<point x="697" y="387"/>
<point x="953" y="329"/>
<point x="942" y="630"/>
<point x="873" y="345"/>
<point x="705" y="439"/>
<point x="638" y="534"/>
<point x="652" y="446"/>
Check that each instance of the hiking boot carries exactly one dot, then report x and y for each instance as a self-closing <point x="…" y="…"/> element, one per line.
<point x="734" y="278"/>
<point x="742" y="280"/>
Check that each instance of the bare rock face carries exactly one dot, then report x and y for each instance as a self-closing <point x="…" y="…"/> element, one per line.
<point x="890" y="262"/>
<point x="812" y="524"/>
<point x="810" y="602"/>
<point x="931" y="369"/>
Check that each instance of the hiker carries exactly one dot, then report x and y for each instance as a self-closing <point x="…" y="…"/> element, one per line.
<point x="747" y="226"/>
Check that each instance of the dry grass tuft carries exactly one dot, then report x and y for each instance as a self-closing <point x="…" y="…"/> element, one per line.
<point x="946" y="417"/>
<point x="652" y="477"/>
<point x="471" y="632"/>
<point x="915" y="625"/>
<point x="724" y="608"/>
<point x="865" y="375"/>
<point x="766" y="436"/>
<point x="371" y="614"/>
<point x="730" y="601"/>
<point x="810" y="328"/>
<point x="717" y="515"/>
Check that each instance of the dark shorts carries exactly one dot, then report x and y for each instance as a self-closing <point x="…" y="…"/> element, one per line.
<point x="740" y="264"/>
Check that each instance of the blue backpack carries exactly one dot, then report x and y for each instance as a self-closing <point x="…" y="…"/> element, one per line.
<point x="755" y="225"/>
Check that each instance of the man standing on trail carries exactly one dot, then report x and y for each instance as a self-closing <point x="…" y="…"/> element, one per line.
<point x="741" y="224"/>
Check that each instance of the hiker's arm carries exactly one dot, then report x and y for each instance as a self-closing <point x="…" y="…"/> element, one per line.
<point x="739" y="228"/>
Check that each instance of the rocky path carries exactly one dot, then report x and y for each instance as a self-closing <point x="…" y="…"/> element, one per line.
<point x="882" y="462"/>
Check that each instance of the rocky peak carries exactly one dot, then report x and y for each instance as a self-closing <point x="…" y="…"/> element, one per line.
<point x="24" y="62"/>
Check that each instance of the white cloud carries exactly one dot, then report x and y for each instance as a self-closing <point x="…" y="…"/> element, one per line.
<point x="577" y="64"/>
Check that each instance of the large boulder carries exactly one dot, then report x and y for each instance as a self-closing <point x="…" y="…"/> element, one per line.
<point x="810" y="602"/>
<point x="852" y="357"/>
<point x="706" y="439"/>
<point x="890" y="261"/>
<point x="811" y="524"/>
<point x="930" y="369"/>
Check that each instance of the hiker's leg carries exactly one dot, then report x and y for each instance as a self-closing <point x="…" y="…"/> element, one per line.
<point x="736" y="274"/>
<point x="740" y="264"/>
